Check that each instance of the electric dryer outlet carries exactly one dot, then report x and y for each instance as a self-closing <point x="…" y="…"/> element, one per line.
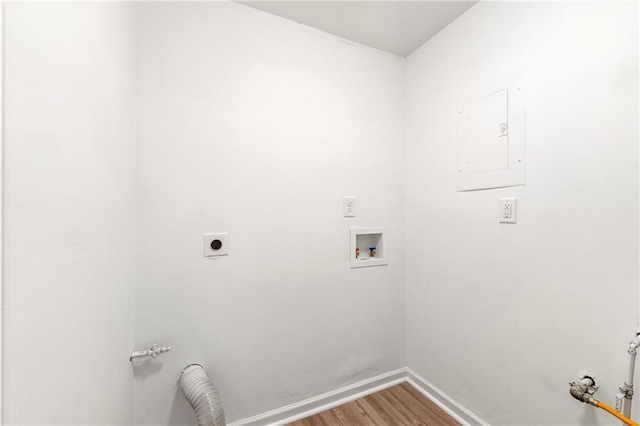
<point x="216" y="244"/>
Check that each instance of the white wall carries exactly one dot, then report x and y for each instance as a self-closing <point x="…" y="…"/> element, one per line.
<point x="502" y="317"/>
<point x="69" y="211"/>
<point x="257" y="126"/>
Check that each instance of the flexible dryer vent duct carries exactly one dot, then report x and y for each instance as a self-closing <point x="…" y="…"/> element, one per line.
<point x="202" y="396"/>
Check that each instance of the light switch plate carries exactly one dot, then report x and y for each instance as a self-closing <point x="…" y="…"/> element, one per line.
<point x="216" y="244"/>
<point x="508" y="210"/>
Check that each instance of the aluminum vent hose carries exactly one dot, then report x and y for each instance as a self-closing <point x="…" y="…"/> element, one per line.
<point x="202" y="396"/>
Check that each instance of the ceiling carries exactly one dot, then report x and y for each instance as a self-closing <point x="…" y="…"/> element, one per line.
<point x="397" y="27"/>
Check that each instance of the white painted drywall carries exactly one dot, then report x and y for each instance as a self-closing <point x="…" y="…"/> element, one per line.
<point x="253" y="125"/>
<point x="69" y="145"/>
<point x="1" y="198"/>
<point x="502" y="317"/>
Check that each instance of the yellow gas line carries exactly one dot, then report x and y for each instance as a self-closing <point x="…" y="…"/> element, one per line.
<point x="613" y="412"/>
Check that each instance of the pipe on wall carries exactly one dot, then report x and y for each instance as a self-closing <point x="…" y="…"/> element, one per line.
<point x="627" y="388"/>
<point x="583" y="392"/>
<point x="202" y="396"/>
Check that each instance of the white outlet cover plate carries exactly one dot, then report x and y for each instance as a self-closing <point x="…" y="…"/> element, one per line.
<point x="349" y="206"/>
<point x="222" y="251"/>
<point x="508" y="210"/>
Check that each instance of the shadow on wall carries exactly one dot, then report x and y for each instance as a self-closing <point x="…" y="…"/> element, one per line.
<point x="144" y="369"/>
<point x="181" y="413"/>
<point x="589" y="416"/>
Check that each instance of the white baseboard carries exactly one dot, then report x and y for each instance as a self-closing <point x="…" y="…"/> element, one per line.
<point x="326" y="401"/>
<point x="317" y="404"/>
<point x="444" y="401"/>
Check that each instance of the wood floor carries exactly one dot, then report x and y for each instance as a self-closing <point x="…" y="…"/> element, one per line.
<point x="399" y="405"/>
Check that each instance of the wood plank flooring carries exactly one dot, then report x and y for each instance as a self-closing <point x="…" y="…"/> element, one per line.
<point x="396" y="406"/>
